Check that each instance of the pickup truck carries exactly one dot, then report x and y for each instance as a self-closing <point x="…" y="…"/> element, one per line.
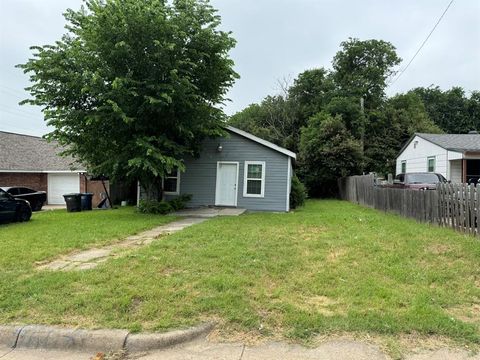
<point x="417" y="181"/>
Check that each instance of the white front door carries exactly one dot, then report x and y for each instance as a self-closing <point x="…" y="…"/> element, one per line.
<point x="60" y="184"/>
<point x="227" y="180"/>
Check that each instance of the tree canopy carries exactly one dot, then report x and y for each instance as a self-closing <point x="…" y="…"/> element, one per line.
<point x="320" y="117"/>
<point x="134" y="86"/>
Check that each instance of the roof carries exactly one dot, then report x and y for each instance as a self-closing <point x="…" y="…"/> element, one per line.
<point x="452" y="142"/>
<point x="261" y="141"/>
<point x="26" y="153"/>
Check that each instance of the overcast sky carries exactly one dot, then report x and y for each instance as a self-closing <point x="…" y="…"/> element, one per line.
<point x="277" y="39"/>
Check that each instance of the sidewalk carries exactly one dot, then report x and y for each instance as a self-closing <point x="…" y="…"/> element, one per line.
<point x="203" y="349"/>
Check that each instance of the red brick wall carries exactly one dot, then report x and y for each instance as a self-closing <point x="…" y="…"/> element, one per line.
<point x="36" y="181"/>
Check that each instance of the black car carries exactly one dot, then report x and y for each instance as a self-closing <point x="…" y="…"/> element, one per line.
<point x="12" y="209"/>
<point x="34" y="197"/>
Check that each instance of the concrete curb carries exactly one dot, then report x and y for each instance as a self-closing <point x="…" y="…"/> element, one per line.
<point x="144" y="342"/>
<point x="55" y="338"/>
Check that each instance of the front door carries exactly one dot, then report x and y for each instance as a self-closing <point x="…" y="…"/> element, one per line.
<point x="227" y="179"/>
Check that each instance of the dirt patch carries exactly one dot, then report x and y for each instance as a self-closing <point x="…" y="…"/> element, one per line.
<point x="320" y="304"/>
<point x="439" y="249"/>
<point x="335" y="254"/>
<point x="466" y="313"/>
<point x="309" y="232"/>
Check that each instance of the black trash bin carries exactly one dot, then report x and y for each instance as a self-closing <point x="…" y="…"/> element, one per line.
<point x="87" y="201"/>
<point x="74" y="202"/>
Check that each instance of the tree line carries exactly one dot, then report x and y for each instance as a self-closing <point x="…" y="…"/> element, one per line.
<point x="340" y="122"/>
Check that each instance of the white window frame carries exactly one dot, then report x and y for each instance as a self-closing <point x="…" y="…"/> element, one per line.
<point x="434" y="163"/>
<point x="245" y="179"/>
<point x="178" y="184"/>
<point x="401" y="166"/>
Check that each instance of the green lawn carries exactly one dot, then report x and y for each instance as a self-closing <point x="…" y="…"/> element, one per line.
<point x="329" y="267"/>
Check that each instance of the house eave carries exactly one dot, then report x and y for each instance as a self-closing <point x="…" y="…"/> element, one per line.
<point x="262" y="141"/>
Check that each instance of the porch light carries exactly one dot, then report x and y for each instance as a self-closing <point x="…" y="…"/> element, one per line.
<point x="219" y="148"/>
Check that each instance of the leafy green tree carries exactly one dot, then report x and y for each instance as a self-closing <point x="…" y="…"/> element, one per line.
<point x="390" y="127"/>
<point x="134" y="86"/>
<point x="327" y="151"/>
<point x="362" y="68"/>
<point x="451" y="110"/>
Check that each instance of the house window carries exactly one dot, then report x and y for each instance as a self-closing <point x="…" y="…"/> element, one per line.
<point x="254" y="181"/>
<point x="431" y="164"/>
<point x="171" y="183"/>
<point x="404" y="167"/>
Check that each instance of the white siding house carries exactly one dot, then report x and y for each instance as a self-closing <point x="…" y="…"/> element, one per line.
<point x="455" y="156"/>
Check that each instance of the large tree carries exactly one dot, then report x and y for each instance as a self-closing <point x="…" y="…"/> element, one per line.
<point x="362" y="69"/>
<point x="134" y="86"/>
<point x="452" y="110"/>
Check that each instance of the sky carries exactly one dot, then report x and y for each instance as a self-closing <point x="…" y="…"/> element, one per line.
<point x="276" y="40"/>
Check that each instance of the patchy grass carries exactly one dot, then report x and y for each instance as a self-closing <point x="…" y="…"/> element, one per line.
<point x="329" y="267"/>
<point x="51" y="233"/>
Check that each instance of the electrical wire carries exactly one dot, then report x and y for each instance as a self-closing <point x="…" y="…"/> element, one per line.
<point x="423" y="43"/>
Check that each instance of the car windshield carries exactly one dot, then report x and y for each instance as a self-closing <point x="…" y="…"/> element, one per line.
<point x="422" y="179"/>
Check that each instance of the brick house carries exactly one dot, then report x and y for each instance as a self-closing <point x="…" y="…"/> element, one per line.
<point x="33" y="162"/>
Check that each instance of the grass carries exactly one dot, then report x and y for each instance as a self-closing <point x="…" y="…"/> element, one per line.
<point x="329" y="267"/>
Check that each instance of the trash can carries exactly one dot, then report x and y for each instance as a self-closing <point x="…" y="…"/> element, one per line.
<point x="87" y="201"/>
<point x="74" y="202"/>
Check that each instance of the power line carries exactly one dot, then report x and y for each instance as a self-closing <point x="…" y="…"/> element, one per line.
<point x="423" y="43"/>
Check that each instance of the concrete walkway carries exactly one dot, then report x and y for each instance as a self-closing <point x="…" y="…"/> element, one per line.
<point x="203" y="350"/>
<point x="89" y="259"/>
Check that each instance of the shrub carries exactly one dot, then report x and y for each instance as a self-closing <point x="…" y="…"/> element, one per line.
<point x="180" y="202"/>
<point x="154" y="207"/>
<point x="297" y="193"/>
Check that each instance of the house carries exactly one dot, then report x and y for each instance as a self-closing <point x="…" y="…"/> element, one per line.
<point x="33" y="162"/>
<point x="455" y="156"/>
<point x="240" y="170"/>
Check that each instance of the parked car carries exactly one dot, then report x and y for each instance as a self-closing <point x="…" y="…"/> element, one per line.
<point x="12" y="209"/>
<point x="418" y="181"/>
<point x="34" y="197"/>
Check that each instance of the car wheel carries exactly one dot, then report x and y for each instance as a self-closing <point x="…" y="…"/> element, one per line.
<point x="24" y="214"/>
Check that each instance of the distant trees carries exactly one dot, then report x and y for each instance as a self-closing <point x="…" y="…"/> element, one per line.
<point x="320" y="117"/>
<point x="452" y="110"/>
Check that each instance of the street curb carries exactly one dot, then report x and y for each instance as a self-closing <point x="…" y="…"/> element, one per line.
<point x="145" y="342"/>
<point x="55" y="338"/>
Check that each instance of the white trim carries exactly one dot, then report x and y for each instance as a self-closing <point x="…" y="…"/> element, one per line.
<point x="261" y="141"/>
<point x="217" y="182"/>
<point x="177" y="192"/>
<point x="44" y="171"/>
<point x="289" y="183"/>
<point x="245" y="174"/>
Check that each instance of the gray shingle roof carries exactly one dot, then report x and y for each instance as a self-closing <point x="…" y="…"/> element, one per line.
<point x="31" y="153"/>
<point x="454" y="142"/>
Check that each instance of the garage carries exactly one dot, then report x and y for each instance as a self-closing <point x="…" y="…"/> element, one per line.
<point x="60" y="184"/>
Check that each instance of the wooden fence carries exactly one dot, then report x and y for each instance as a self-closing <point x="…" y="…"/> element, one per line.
<point x="450" y="205"/>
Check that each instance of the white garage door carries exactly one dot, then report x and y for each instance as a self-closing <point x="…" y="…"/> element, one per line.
<point x="59" y="184"/>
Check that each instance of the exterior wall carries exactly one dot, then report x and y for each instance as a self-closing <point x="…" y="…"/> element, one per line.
<point x="455" y="171"/>
<point x="199" y="179"/>
<point x="36" y="181"/>
<point x="416" y="157"/>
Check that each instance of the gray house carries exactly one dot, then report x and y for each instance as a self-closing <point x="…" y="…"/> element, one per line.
<point x="240" y="170"/>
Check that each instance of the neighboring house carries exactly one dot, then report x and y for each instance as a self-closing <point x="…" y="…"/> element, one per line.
<point x="455" y="156"/>
<point x="32" y="162"/>
<point x="240" y="170"/>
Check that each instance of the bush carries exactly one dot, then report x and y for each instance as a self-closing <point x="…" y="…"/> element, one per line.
<point x="298" y="193"/>
<point x="154" y="207"/>
<point x="180" y="202"/>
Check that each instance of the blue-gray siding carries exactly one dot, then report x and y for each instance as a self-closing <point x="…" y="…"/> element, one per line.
<point x="199" y="179"/>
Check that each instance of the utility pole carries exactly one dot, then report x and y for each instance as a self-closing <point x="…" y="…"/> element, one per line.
<point x="362" y="131"/>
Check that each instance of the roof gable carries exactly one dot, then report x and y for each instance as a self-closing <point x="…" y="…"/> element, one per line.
<point x="452" y="142"/>
<point x="262" y="141"/>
